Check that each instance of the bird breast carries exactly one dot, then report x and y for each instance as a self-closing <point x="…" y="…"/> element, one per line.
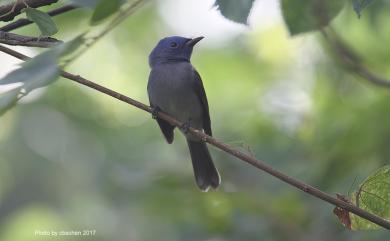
<point x="171" y="88"/>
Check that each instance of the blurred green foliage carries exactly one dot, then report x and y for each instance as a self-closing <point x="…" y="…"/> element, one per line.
<point x="74" y="159"/>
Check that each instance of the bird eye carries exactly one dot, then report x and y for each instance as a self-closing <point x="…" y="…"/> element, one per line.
<point x="173" y="45"/>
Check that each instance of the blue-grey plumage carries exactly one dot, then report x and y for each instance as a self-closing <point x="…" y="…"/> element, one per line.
<point x="175" y="87"/>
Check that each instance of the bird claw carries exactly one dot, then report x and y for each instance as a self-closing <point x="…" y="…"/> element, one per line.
<point x="155" y="111"/>
<point x="186" y="126"/>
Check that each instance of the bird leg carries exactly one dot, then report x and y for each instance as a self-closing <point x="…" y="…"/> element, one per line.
<point x="186" y="126"/>
<point x="155" y="111"/>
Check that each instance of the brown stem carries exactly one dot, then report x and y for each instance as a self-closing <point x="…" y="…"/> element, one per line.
<point x="24" y="21"/>
<point x="350" y="60"/>
<point x="21" y="40"/>
<point x="222" y="146"/>
<point x="11" y="10"/>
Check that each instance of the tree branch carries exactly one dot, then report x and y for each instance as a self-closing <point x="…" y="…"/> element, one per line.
<point x="349" y="58"/>
<point x="11" y="10"/>
<point x="222" y="146"/>
<point x="21" y="40"/>
<point x="24" y="21"/>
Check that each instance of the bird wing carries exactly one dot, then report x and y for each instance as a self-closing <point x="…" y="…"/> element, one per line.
<point x="199" y="90"/>
<point x="166" y="129"/>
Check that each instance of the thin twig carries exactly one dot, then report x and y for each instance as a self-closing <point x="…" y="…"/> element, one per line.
<point x="349" y="58"/>
<point x="122" y="15"/>
<point x="11" y="10"/>
<point x="24" y="21"/>
<point x="14" y="4"/>
<point x="222" y="146"/>
<point x="21" y="40"/>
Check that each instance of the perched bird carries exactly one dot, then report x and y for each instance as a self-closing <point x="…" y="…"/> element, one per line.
<point x="175" y="88"/>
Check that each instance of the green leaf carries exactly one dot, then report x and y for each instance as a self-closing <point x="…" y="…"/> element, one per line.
<point x="359" y="5"/>
<point x="307" y="15"/>
<point x="86" y="3"/>
<point x="8" y="99"/>
<point x="43" y="20"/>
<point x="234" y="10"/>
<point x="37" y="72"/>
<point x="104" y="9"/>
<point x="90" y="3"/>
<point x="67" y="49"/>
<point x="373" y="196"/>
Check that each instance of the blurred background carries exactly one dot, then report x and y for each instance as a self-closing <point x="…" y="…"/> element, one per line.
<point x="74" y="159"/>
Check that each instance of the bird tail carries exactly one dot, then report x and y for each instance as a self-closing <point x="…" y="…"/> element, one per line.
<point x="206" y="175"/>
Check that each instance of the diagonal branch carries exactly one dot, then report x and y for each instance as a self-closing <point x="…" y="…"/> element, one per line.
<point x="125" y="12"/>
<point x="11" y="10"/>
<point x="222" y="146"/>
<point x="21" y="40"/>
<point x="24" y="21"/>
<point x="350" y="60"/>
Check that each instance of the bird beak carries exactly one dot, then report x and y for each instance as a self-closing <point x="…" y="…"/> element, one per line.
<point x="193" y="41"/>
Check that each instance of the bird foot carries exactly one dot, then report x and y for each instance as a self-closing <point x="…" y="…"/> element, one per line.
<point x="155" y="111"/>
<point x="186" y="126"/>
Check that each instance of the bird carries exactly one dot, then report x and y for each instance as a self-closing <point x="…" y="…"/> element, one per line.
<point x="176" y="88"/>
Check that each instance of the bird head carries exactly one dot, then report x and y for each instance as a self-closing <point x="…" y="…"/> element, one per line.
<point x="173" y="49"/>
